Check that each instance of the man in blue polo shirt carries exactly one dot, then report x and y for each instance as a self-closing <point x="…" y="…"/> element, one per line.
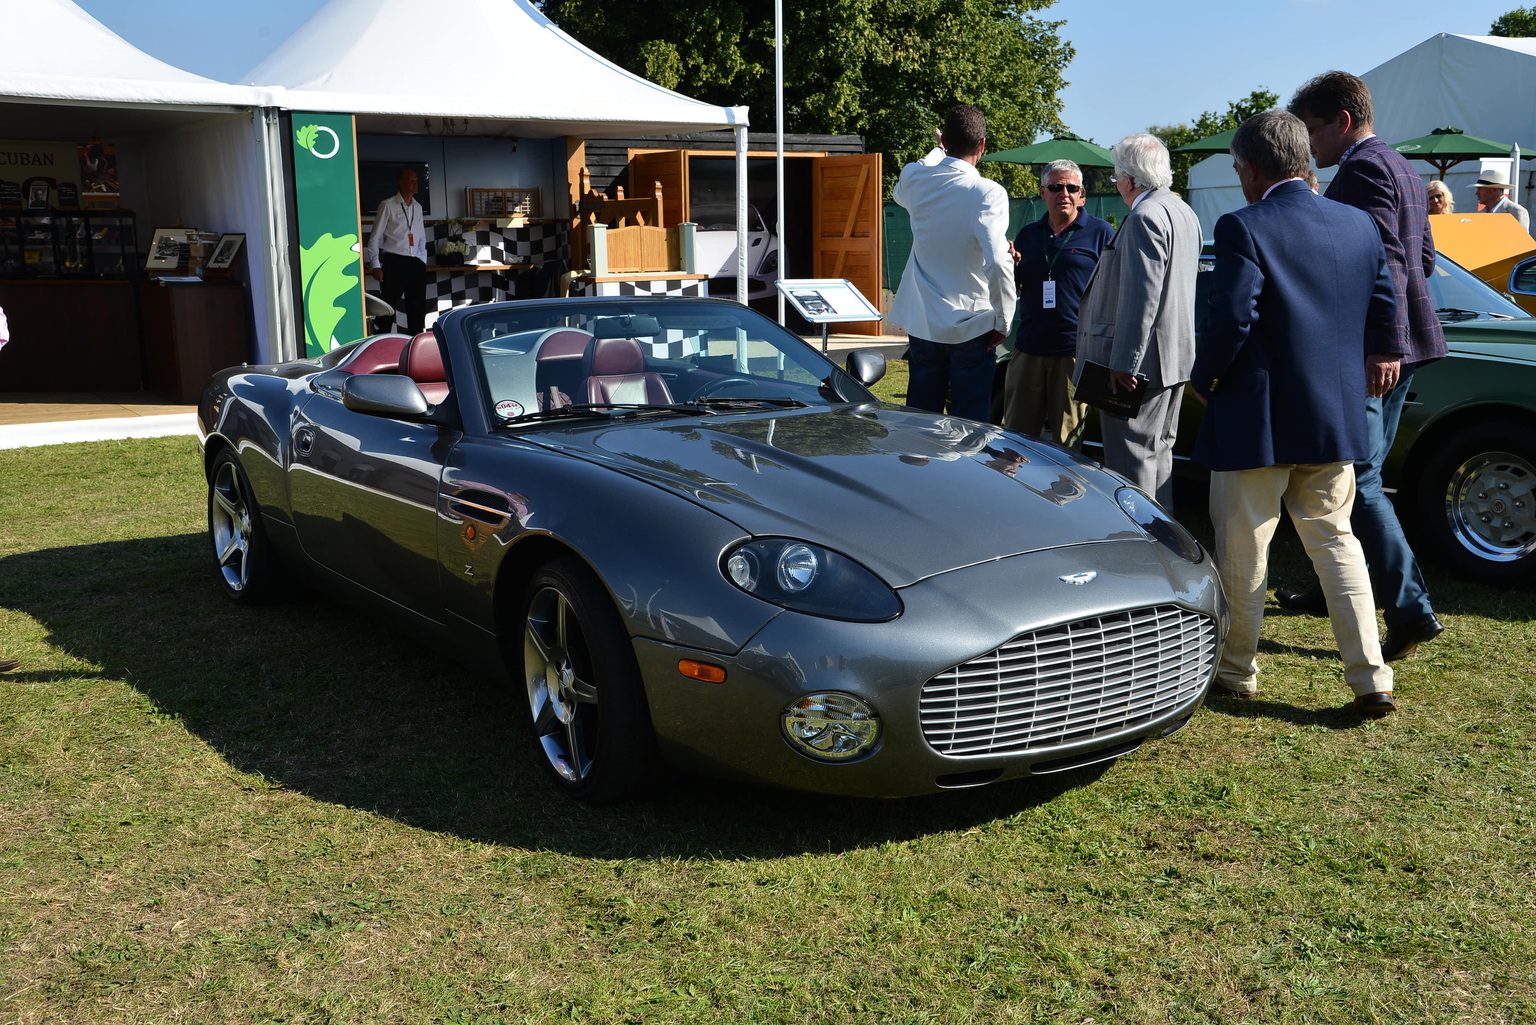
<point x="1056" y="256"/>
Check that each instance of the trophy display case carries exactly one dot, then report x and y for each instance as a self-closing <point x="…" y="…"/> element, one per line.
<point x="68" y="244"/>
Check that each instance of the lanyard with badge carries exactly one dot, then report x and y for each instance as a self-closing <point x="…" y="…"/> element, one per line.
<point x="410" y="236"/>
<point x="1048" y="289"/>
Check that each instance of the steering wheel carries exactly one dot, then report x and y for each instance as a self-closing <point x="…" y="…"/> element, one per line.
<point x="719" y="384"/>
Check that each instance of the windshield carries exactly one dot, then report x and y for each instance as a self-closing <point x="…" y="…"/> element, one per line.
<point x="607" y="358"/>
<point x="1457" y="292"/>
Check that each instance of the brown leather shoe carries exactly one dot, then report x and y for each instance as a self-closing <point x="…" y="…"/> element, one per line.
<point x="6" y="665"/>
<point x="1375" y="706"/>
<point x="1218" y="691"/>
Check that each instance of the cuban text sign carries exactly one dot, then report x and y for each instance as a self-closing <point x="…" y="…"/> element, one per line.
<point x="330" y="233"/>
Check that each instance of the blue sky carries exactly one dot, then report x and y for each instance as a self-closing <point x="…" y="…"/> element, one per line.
<point x="1135" y="66"/>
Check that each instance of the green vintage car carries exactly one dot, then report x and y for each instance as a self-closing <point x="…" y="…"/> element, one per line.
<point x="1463" y="469"/>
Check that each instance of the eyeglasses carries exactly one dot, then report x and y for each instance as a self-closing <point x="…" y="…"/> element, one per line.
<point x="1059" y="186"/>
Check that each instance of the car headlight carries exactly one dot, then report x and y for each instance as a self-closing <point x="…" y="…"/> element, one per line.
<point x="808" y="578"/>
<point x="831" y="726"/>
<point x="1150" y="517"/>
<point x="770" y="263"/>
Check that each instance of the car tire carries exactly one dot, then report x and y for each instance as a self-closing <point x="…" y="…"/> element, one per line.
<point x="1475" y="502"/>
<point x="585" y="698"/>
<point x="248" y="570"/>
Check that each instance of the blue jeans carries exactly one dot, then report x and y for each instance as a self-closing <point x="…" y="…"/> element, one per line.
<point x="1395" y="576"/>
<point x="963" y="371"/>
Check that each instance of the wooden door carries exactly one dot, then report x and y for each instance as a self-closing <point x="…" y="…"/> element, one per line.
<point x="670" y="168"/>
<point x="845" y="226"/>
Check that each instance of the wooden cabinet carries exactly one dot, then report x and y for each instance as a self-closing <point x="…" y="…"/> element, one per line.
<point x="191" y="329"/>
<point x="70" y="336"/>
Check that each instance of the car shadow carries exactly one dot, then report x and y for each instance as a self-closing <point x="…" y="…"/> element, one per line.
<point x="315" y="698"/>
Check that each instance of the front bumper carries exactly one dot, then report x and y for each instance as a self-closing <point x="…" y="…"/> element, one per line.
<point x="733" y="728"/>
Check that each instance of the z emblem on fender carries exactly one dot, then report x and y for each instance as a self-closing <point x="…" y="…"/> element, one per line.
<point x="1079" y="578"/>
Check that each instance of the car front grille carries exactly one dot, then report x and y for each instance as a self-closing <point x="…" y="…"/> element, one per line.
<point x="1071" y="682"/>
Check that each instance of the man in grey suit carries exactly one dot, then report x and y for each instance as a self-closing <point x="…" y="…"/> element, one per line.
<point x="1138" y="316"/>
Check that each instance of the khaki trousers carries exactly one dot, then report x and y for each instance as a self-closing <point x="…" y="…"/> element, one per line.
<point x="1245" y="508"/>
<point x="1037" y="392"/>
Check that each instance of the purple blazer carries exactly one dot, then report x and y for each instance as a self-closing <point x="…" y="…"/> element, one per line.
<point x="1379" y="180"/>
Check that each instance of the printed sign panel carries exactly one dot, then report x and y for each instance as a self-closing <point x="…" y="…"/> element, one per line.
<point x="330" y="233"/>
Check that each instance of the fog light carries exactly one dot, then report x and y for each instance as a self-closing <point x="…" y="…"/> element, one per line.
<point x="831" y="727"/>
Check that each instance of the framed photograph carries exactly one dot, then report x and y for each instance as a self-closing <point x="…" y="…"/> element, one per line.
<point x="224" y="252"/>
<point x="165" y="249"/>
<point x="37" y="196"/>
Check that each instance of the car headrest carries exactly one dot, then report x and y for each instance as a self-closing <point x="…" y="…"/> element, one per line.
<point x="563" y="343"/>
<point x="612" y="357"/>
<point x="423" y="360"/>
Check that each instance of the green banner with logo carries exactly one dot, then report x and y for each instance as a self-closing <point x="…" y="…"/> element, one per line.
<point x="330" y="230"/>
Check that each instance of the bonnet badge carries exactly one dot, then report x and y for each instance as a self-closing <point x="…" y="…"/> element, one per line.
<point x="1079" y="578"/>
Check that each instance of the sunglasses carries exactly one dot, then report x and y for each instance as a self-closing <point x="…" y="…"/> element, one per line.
<point x="1059" y="186"/>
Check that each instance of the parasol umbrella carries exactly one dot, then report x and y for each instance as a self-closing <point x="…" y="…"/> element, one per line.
<point x="1221" y="142"/>
<point x="1444" y="148"/>
<point x="1065" y="146"/>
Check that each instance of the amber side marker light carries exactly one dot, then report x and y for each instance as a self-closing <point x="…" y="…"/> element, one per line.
<point x="701" y="671"/>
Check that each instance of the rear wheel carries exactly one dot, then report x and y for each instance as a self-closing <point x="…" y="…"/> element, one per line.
<point x="585" y="697"/>
<point x="248" y="571"/>
<point x="1475" y="502"/>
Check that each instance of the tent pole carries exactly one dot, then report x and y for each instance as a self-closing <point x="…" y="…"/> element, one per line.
<point x="282" y="338"/>
<point x="778" y="149"/>
<point x="741" y="214"/>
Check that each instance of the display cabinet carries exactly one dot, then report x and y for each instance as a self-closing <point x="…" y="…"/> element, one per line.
<point x="68" y="244"/>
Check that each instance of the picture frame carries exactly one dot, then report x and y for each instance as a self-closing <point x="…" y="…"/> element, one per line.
<point x="165" y="249"/>
<point x="225" y="251"/>
<point x="37" y="196"/>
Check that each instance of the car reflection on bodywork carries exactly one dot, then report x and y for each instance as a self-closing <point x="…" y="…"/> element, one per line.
<point x="691" y="540"/>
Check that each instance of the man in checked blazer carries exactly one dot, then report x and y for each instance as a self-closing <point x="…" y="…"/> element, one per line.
<point x="1138" y="315"/>
<point x="1337" y="111"/>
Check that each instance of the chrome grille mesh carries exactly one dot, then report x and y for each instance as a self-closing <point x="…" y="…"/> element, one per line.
<point x="1070" y="682"/>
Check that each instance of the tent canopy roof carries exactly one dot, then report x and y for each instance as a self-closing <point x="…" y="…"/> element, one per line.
<point x="97" y="66"/>
<point x="510" y="63"/>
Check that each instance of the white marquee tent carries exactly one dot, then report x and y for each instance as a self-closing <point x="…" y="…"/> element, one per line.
<point x="1484" y="85"/>
<point x="506" y="67"/>
<point x="195" y="149"/>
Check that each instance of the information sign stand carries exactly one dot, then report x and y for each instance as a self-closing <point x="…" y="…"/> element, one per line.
<point x="827" y="301"/>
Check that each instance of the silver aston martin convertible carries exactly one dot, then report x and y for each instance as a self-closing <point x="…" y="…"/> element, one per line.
<point x="693" y="542"/>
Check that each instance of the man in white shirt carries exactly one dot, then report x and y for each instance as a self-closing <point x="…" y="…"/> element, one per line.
<point x="397" y="254"/>
<point x="1492" y="198"/>
<point x="956" y="297"/>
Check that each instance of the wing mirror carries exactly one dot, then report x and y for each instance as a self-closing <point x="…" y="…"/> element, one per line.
<point x="385" y="395"/>
<point x="866" y="366"/>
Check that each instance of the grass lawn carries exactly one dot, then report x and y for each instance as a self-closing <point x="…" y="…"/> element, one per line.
<point x="209" y="814"/>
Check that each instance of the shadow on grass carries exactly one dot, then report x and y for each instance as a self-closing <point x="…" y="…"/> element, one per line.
<point x="320" y="700"/>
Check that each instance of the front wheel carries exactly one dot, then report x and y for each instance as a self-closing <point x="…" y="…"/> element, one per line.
<point x="585" y="697"/>
<point x="248" y="570"/>
<point x="1475" y="502"/>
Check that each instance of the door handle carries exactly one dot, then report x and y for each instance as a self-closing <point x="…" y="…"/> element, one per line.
<point x="304" y="440"/>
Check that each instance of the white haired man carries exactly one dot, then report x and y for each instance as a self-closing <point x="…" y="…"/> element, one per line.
<point x="1138" y="317"/>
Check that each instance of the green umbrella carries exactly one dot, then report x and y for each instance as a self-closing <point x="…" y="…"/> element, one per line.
<point x="1218" y="143"/>
<point x="1444" y="148"/>
<point x="1065" y="146"/>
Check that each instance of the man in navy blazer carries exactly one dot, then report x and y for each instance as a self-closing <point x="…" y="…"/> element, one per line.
<point x="1300" y="297"/>
<point x="1336" y="107"/>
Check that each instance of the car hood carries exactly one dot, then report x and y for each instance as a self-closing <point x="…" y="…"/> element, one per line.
<point x="907" y="494"/>
<point x="1500" y="339"/>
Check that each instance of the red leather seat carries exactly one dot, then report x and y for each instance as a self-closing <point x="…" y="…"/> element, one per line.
<point x="616" y="373"/>
<point x="559" y="365"/>
<point x="423" y="363"/>
<point x="380" y="355"/>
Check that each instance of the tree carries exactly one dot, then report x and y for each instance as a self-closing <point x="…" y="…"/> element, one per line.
<point x="1207" y="124"/>
<point x="1519" y="23"/>
<point x="883" y="69"/>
